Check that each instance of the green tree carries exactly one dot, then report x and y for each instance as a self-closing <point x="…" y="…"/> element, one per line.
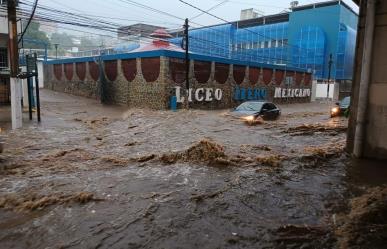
<point x="63" y="40"/>
<point x="34" y="33"/>
<point x="87" y="44"/>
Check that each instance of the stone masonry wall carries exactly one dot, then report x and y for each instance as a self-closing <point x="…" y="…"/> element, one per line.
<point x="150" y="82"/>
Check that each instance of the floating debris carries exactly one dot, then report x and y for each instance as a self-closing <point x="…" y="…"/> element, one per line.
<point x="310" y="129"/>
<point x="203" y="151"/>
<point x="32" y="202"/>
<point x="365" y="226"/>
<point x="114" y="160"/>
<point x="271" y="160"/>
<point x="145" y="158"/>
<point x="324" y="151"/>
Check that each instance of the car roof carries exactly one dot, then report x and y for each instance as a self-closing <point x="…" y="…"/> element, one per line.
<point x="256" y="101"/>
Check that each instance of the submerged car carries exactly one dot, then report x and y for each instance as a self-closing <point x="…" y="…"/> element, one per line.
<point x="341" y="107"/>
<point x="250" y="111"/>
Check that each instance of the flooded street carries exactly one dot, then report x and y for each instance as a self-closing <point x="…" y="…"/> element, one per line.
<point x="93" y="176"/>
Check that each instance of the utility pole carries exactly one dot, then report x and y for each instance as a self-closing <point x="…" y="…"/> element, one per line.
<point x="186" y="37"/>
<point x="329" y="73"/>
<point x="16" y="109"/>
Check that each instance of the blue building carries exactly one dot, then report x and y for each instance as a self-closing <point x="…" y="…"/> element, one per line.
<point x="304" y="38"/>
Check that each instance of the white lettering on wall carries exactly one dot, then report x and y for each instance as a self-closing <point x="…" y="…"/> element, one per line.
<point x="200" y="94"/>
<point x="291" y="93"/>
<point x="218" y="94"/>
<point x="197" y="92"/>
<point x="208" y="94"/>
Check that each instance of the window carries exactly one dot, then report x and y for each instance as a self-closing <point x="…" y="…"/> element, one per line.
<point x="273" y="43"/>
<point x="3" y="58"/>
<point x="266" y="44"/>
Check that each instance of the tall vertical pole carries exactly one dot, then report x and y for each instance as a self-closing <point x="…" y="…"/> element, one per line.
<point x="329" y="73"/>
<point x="37" y="86"/>
<point x="186" y="37"/>
<point x="16" y="109"/>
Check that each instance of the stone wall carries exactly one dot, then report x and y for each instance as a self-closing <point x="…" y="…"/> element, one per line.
<point x="149" y="82"/>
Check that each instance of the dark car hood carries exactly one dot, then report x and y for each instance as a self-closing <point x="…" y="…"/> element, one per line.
<point x="243" y="113"/>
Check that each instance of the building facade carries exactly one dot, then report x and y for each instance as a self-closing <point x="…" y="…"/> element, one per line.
<point x="303" y="38"/>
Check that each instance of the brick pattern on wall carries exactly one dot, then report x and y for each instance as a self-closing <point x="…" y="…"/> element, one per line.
<point x="80" y="69"/>
<point x="111" y="70"/>
<point x="239" y="74"/>
<point x="129" y="69"/>
<point x="94" y="70"/>
<point x="150" y="68"/>
<point x="202" y="71"/>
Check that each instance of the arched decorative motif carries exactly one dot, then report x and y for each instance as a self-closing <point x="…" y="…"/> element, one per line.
<point x="239" y="73"/>
<point x="80" y="69"/>
<point x="177" y="69"/>
<point x="307" y="78"/>
<point x="267" y="75"/>
<point x="150" y="68"/>
<point x="289" y="73"/>
<point x="221" y="72"/>
<point x="279" y="76"/>
<point x="58" y="71"/>
<point x="69" y="70"/>
<point x="111" y="70"/>
<point x="94" y="70"/>
<point x="129" y="68"/>
<point x="254" y="75"/>
<point x="202" y="71"/>
<point x="298" y="78"/>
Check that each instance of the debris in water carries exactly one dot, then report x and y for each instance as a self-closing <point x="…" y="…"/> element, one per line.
<point x="114" y="160"/>
<point x="272" y="160"/>
<point x="365" y="226"/>
<point x="203" y="151"/>
<point x="256" y="147"/>
<point x="70" y="155"/>
<point x="145" y="158"/>
<point x="310" y="129"/>
<point x="325" y="151"/>
<point x="31" y="202"/>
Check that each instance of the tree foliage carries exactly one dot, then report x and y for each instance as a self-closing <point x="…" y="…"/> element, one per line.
<point x="33" y="33"/>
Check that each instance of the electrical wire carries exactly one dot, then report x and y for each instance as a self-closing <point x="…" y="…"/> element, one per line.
<point x="29" y="21"/>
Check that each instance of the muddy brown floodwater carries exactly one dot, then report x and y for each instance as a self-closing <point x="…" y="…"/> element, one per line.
<point x="93" y="176"/>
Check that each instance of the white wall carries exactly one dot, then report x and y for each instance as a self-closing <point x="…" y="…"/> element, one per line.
<point x="321" y="90"/>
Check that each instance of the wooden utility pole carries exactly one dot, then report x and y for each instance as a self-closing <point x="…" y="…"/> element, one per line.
<point x="16" y="108"/>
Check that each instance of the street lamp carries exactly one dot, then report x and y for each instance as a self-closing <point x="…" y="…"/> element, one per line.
<point x="56" y="50"/>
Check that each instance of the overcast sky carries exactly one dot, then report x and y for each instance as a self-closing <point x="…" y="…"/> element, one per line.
<point x="229" y="10"/>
